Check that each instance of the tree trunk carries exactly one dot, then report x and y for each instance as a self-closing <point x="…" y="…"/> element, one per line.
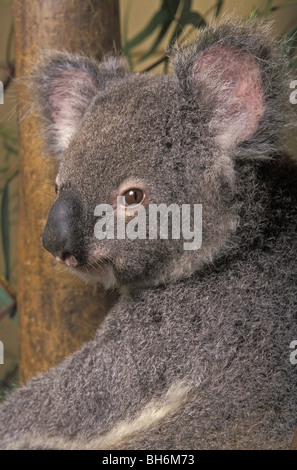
<point x="57" y="313"/>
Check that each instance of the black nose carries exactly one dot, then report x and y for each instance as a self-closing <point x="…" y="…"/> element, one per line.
<point x="63" y="233"/>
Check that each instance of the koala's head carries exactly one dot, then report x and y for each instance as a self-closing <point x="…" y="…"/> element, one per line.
<point x="126" y="142"/>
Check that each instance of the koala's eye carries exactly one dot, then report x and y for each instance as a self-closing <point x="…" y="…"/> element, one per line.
<point x="56" y="188"/>
<point x="133" y="197"/>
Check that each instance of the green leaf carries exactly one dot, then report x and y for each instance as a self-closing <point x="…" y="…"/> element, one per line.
<point x="8" y="302"/>
<point x="180" y="24"/>
<point x="186" y="7"/>
<point x="171" y="6"/>
<point x="5" y="297"/>
<point x="268" y="8"/>
<point x="8" y="134"/>
<point x="191" y="17"/>
<point x="194" y="18"/>
<point x="219" y="6"/>
<point x="126" y="23"/>
<point x="158" y="19"/>
<point x="5" y="228"/>
<point x="157" y="41"/>
<point x="9" y="148"/>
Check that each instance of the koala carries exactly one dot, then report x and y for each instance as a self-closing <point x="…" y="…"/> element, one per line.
<point x="196" y="352"/>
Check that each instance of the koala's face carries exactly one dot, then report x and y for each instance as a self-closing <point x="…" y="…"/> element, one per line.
<point x="119" y="156"/>
<point x="129" y="142"/>
<point x="125" y="153"/>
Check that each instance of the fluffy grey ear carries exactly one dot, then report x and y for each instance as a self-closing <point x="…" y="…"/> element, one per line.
<point x="237" y="79"/>
<point x="63" y="88"/>
<point x="231" y="83"/>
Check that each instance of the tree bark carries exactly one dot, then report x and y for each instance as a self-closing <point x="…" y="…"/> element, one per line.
<point x="57" y="313"/>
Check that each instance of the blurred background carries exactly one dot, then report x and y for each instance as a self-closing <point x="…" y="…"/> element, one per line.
<point x="148" y="28"/>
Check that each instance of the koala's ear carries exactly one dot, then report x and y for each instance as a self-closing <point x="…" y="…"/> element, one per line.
<point x="228" y="81"/>
<point x="235" y="76"/>
<point x="63" y="88"/>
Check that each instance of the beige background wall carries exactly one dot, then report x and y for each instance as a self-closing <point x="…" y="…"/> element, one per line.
<point x="137" y="13"/>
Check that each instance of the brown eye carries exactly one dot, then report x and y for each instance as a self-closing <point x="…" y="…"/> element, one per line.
<point x="133" y="196"/>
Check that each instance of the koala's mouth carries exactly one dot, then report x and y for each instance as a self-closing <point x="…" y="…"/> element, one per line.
<point x="100" y="269"/>
<point x="69" y="260"/>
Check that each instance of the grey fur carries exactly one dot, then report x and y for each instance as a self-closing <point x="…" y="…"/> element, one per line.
<point x="217" y="322"/>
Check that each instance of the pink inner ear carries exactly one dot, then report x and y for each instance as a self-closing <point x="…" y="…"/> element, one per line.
<point x="237" y="76"/>
<point x="71" y="93"/>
